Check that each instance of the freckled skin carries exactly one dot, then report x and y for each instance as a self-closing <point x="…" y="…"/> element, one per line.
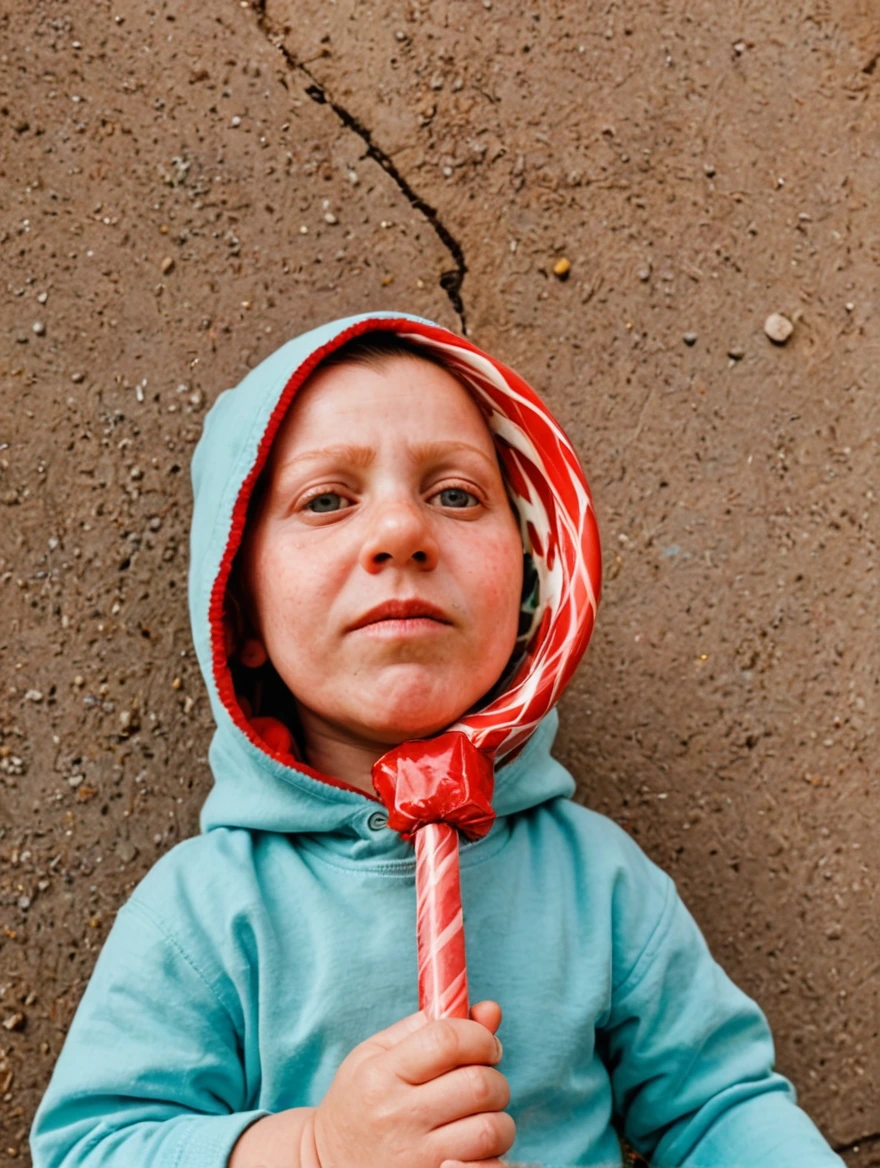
<point x="418" y="509"/>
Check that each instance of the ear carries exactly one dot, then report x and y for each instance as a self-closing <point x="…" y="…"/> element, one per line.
<point x="252" y="653"/>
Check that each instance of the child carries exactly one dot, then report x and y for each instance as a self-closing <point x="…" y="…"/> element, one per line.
<point x="365" y="573"/>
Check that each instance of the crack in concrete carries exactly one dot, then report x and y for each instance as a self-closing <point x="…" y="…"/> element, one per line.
<point x="452" y="279"/>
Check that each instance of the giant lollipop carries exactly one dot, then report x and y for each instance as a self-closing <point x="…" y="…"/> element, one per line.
<point x="434" y="788"/>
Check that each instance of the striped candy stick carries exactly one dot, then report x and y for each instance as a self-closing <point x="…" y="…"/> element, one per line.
<point x="443" y="987"/>
<point x="434" y="788"/>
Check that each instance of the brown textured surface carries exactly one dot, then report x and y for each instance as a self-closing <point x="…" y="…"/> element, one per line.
<point x="727" y="709"/>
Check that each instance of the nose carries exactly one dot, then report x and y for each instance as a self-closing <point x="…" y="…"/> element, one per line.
<point x="399" y="535"/>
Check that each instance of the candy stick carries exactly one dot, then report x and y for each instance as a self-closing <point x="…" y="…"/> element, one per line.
<point x="433" y="789"/>
<point x="443" y="988"/>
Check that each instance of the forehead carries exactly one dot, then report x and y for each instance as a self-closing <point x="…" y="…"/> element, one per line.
<point x="397" y="399"/>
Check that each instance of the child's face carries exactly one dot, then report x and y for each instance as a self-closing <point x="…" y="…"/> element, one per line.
<point x="384" y="487"/>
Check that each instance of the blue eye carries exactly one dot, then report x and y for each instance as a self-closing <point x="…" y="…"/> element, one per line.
<point x="456" y="497"/>
<point x="328" y="501"/>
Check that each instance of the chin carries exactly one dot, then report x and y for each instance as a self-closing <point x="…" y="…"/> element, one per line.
<point x="414" y="712"/>
<point x="393" y="728"/>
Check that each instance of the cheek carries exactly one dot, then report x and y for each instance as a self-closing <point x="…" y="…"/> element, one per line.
<point x="497" y="584"/>
<point x="292" y="591"/>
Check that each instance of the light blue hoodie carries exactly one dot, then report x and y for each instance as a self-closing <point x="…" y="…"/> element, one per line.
<point x="252" y="958"/>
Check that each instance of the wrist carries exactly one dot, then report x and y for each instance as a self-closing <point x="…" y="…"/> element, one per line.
<point x="274" y="1139"/>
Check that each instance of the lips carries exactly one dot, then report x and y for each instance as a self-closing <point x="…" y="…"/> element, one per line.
<point x="401" y="610"/>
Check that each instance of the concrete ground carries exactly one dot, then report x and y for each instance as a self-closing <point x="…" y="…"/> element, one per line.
<point x="184" y="186"/>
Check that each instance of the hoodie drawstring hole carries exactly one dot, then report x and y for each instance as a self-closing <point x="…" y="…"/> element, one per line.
<point x="377" y="821"/>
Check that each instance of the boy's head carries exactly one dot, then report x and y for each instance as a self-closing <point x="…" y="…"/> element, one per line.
<point x="380" y="575"/>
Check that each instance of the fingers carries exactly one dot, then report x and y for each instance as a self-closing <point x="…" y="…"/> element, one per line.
<point x="488" y="1014"/>
<point x="477" y="1138"/>
<point x="441" y="1046"/>
<point x="463" y="1092"/>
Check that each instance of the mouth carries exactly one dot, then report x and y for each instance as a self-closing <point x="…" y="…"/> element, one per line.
<point x="403" y="614"/>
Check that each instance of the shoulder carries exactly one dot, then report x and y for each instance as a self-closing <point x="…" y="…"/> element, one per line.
<point x="203" y="884"/>
<point x="603" y="844"/>
<point x="619" y="891"/>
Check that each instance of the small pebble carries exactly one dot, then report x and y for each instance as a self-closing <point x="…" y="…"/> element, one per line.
<point x="77" y="378"/>
<point x="167" y="265"/>
<point x="38" y="327"/>
<point x="562" y="268"/>
<point x="778" y="328"/>
<point x="14" y="1022"/>
<point x="709" y="170"/>
<point x="236" y="121"/>
<point x="689" y="338"/>
<point x="645" y="273"/>
<point x="330" y="218"/>
<point x="736" y="354"/>
<point x="43" y="297"/>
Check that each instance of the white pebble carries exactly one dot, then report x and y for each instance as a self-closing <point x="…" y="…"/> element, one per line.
<point x="778" y="328"/>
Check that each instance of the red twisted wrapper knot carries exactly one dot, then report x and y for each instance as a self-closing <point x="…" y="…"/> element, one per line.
<point x="437" y="780"/>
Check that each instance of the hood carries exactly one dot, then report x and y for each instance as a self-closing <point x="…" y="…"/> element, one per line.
<point x="259" y="783"/>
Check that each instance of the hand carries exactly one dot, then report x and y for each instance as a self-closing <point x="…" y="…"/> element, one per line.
<point x="420" y="1094"/>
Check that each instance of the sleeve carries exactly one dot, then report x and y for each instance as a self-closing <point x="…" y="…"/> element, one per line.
<point x="151" y="1070"/>
<point x="691" y="1061"/>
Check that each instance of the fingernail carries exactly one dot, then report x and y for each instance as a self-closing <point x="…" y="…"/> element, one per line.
<point x="499" y="1049"/>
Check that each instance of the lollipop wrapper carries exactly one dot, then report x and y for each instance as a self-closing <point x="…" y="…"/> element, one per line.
<point x="437" y="780"/>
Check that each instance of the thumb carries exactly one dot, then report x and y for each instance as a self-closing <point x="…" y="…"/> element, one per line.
<point x="386" y="1039"/>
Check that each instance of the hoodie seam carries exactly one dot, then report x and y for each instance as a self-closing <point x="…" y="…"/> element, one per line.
<point x="171" y="940"/>
<point x="406" y="868"/>
<point x="649" y="950"/>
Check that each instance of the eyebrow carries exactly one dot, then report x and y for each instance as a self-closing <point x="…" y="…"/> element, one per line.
<point x="364" y="456"/>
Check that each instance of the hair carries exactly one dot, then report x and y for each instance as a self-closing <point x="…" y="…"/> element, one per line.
<point x="263" y="689"/>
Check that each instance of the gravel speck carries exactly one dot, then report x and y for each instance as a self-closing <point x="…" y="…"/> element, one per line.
<point x="778" y="328"/>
